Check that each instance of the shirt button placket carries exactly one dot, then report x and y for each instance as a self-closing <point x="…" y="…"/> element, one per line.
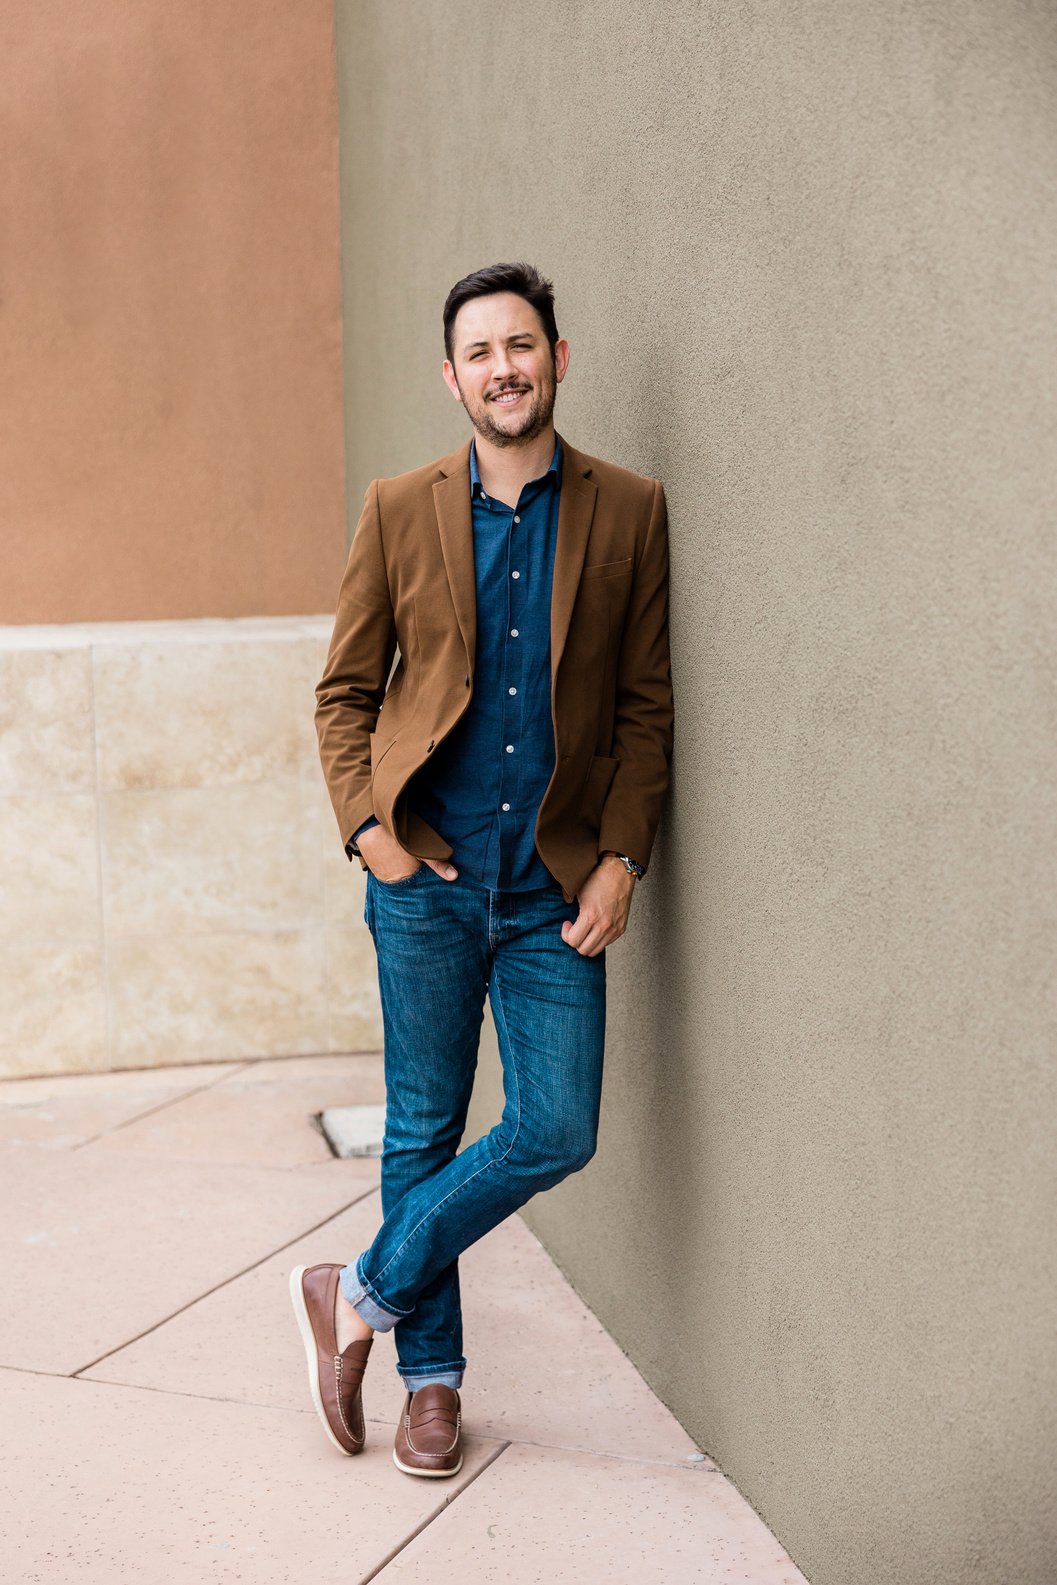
<point x="510" y="727"/>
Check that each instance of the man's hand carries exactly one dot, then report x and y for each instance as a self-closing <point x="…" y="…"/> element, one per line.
<point x="605" y="902"/>
<point x="388" y="861"/>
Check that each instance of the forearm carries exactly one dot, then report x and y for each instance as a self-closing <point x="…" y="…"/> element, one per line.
<point x="350" y="692"/>
<point x="644" y="713"/>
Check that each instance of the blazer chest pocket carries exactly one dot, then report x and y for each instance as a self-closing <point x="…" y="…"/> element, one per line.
<point x="606" y="569"/>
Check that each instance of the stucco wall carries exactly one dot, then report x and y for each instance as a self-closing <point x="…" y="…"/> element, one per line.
<point x="804" y="256"/>
<point x="170" y="320"/>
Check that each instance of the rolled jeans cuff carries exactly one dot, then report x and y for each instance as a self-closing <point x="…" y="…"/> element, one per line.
<point x="413" y="1379"/>
<point x="366" y="1301"/>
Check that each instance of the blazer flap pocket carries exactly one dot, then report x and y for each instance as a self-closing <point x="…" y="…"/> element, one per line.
<point x="606" y="569"/>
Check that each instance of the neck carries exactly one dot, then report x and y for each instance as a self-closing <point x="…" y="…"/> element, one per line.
<point x="505" y="470"/>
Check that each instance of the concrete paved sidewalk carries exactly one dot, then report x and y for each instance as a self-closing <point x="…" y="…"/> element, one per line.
<point x="157" y="1418"/>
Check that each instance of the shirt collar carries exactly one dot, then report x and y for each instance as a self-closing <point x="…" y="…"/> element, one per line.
<point x="555" y="466"/>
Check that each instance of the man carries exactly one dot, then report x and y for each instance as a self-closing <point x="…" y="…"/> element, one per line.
<point x="502" y="789"/>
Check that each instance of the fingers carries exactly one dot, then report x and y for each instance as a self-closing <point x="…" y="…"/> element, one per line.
<point x="446" y="871"/>
<point x="591" y="936"/>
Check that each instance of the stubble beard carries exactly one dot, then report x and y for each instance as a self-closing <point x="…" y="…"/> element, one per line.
<point x="533" y="423"/>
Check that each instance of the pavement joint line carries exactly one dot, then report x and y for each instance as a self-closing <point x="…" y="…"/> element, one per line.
<point x="442" y="1507"/>
<point x="149" y="1111"/>
<point x="710" y="1467"/>
<point x="244" y="1272"/>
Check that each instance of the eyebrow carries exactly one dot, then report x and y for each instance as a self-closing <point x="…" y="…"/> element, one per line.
<point x="518" y="335"/>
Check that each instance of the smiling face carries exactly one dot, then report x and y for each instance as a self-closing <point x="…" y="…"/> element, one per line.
<point x="504" y="373"/>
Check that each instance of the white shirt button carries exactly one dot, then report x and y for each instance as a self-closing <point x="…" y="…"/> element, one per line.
<point x="515" y="575"/>
<point x="510" y="748"/>
<point x="506" y="806"/>
<point x="513" y="632"/>
<point x="517" y="520"/>
<point x="511" y="690"/>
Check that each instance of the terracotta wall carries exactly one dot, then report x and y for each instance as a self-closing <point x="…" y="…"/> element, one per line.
<point x="170" y="325"/>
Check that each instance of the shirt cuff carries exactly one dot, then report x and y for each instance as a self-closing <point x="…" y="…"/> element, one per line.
<point x="350" y="847"/>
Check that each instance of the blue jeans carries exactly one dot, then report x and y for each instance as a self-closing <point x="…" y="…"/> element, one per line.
<point x="441" y="947"/>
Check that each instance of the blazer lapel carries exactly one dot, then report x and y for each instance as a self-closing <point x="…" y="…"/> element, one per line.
<point x="576" y="508"/>
<point x="451" y="500"/>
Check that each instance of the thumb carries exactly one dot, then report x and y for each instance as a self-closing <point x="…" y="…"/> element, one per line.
<point x="446" y="871"/>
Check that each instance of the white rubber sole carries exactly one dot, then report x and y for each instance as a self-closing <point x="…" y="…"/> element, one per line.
<point x="430" y="1474"/>
<point x="304" y="1326"/>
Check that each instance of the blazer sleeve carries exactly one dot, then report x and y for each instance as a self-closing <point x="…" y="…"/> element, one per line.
<point x="350" y="692"/>
<point x="644" y="715"/>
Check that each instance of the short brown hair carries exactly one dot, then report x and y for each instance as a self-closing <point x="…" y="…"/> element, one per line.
<point x="524" y="280"/>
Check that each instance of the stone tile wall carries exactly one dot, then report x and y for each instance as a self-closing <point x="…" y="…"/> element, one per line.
<point x="172" y="882"/>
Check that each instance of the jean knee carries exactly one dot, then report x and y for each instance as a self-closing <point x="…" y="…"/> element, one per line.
<point x="576" y="1160"/>
<point x="553" y="1159"/>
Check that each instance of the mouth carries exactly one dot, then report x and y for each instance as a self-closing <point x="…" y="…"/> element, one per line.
<point x="509" y="398"/>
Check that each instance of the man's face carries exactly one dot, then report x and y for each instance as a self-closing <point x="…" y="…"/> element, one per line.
<point x="503" y="371"/>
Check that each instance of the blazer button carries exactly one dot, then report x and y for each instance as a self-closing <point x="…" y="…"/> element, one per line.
<point x="429" y="745"/>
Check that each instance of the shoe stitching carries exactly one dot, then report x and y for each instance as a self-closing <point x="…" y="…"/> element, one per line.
<point x="350" y="1433"/>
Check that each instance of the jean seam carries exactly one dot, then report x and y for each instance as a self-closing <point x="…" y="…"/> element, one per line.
<point x="495" y="1160"/>
<point x="403" y="880"/>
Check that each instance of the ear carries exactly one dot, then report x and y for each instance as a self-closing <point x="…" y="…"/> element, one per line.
<point x="450" y="381"/>
<point x="561" y="359"/>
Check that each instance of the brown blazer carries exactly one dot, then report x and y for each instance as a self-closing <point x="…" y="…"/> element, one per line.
<point x="410" y="583"/>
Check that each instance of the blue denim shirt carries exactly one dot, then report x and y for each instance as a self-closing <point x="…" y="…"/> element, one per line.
<point x="483" y="785"/>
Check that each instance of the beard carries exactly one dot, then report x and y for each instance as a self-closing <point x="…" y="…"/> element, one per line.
<point x="531" y="423"/>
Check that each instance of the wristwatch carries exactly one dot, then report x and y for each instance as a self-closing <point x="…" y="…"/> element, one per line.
<point x="630" y="865"/>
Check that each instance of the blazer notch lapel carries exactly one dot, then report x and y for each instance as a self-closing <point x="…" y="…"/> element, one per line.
<point x="576" y="509"/>
<point x="451" y="501"/>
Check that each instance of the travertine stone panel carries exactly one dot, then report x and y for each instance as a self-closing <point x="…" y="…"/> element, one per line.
<point x="45" y="719"/>
<point x="194" y="859"/>
<point x="345" y="884"/>
<point x="52" y="1007"/>
<point x="162" y="807"/>
<point x="197" y="997"/>
<point x="207" y="714"/>
<point x="352" y="977"/>
<point x="352" y="990"/>
<point x="49" y="868"/>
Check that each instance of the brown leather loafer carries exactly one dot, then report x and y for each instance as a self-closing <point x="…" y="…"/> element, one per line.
<point x="429" y="1436"/>
<point x="334" y="1378"/>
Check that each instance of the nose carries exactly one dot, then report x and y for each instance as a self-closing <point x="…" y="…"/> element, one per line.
<point x="503" y="367"/>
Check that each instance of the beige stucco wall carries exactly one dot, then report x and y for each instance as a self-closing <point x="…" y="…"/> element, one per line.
<point x="804" y="255"/>
<point x="170" y="330"/>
